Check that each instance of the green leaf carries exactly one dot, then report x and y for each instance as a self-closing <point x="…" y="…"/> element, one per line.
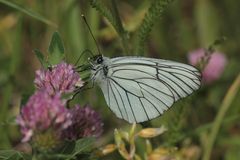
<point x="67" y="148"/>
<point x="41" y="58"/>
<point x="28" y="12"/>
<point x="82" y="146"/>
<point x="13" y="155"/>
<point x="56" y="49"/>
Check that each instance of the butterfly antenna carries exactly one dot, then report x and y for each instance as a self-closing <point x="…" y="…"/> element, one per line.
<point x="81" y="55"/>
<point x="84" y="18"/>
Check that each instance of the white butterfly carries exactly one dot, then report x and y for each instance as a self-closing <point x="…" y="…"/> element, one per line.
<point x="138" y="89"/>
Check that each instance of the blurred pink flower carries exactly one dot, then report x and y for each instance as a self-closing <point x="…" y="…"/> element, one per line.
<point x="86" y="122"/>
<point x="59" y="79"/>
<point x="213" y="68"/>
<point x="41" y="113"/>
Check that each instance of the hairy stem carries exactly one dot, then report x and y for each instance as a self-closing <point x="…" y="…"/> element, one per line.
<point x="154" y="13"/>
<point x="121" y="31"/>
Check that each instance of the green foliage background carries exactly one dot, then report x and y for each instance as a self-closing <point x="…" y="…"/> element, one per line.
<point x="121" y="28"/>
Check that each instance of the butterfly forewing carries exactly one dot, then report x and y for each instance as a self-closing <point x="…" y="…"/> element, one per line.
<point x="138" y="89"/>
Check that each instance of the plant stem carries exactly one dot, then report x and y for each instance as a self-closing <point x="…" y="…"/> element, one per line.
<point x="229" y="97"/>
<point x="123" y="34"/>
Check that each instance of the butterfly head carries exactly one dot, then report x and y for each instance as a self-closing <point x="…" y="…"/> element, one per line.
<point x="97" y="59"/>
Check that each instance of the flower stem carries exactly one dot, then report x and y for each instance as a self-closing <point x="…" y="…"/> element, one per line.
<point x="229" y="97"/>
<point x="123" y="34"/>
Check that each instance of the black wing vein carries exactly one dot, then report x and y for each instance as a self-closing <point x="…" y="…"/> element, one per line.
<point x="121" y="100"/>
<point x="116" y="100"/>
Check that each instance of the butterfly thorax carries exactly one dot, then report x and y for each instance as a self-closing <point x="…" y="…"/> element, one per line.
<point x="100" y="68"/>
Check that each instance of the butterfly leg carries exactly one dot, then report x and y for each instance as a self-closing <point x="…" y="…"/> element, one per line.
<point x="80" y="89"/>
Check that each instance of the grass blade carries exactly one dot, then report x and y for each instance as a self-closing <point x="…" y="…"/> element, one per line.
<point x="28" y="12"/>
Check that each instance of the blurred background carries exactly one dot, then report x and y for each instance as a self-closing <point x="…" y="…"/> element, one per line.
<point x="184" y="27"/>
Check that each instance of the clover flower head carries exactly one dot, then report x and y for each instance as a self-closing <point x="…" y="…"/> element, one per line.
<point x="61" y="78"/>
<point x="43" y="112"/>
<point x="85" y="123"/>
<point x="213" y="69"/>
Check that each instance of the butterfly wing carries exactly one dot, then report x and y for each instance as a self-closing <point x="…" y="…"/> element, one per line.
<point x="139" y="89"/>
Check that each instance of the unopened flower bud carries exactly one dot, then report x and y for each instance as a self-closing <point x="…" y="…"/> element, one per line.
<point x="151" y="132"/>
<point x="108" y="149"/>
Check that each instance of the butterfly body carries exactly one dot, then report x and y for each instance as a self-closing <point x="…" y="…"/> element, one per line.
<point x="100" y="69"/>
<point x="138" y="89"/>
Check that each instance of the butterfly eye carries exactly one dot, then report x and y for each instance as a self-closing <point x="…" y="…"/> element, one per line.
<point x="99" y="60"/>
